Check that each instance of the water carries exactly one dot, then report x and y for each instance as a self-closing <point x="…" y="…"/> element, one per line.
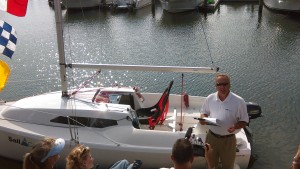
<point x="260" y="52"/>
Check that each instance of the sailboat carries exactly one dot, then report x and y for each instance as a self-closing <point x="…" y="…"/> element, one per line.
<point x="79" y="4"/>
<point x="175" y="6"/>
<point x="115" y="122"/>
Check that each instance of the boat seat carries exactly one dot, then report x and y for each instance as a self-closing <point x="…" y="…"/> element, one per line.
<point x="156" y="114"/>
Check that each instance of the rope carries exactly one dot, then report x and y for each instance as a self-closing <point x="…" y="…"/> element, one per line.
<point x="86" y="82"/>
<point x="212" y="62"/>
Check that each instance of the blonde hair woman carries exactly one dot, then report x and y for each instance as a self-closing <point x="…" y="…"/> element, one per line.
<point x="80" y="158"/>
<point x="44" y="154"/>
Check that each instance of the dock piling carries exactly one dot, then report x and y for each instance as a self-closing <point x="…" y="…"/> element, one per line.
<point x="153" y="7"/>
<point x="261" y="3"/>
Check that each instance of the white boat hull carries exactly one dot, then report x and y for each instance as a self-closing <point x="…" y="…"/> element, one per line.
<point x="78" y="4"/>
<point x="142" y="3"/>
<point x="109" y="144"/>
<point x="175" y="6"/>
<point x="81" y="3"/>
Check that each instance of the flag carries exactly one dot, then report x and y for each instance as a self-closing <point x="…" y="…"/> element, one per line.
<point x="8" y="39"/>
<point x="14" y="7"/>
<point x="4" y="74"/>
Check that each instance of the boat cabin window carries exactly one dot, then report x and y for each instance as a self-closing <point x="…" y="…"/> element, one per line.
<point x="121" y="98"/>
<point x="114" y="97"/>
<point x="85" y="121"/>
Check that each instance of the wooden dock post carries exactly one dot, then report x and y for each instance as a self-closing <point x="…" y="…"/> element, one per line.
<point x="261" y="3"/>
<point x="153" y="8"/>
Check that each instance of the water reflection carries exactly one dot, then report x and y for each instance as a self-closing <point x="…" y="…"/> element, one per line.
<point x="179" y="19"/>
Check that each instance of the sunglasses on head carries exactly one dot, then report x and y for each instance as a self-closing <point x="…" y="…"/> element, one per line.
<point x="222" y="84"/>
<point x="83" y="152"/>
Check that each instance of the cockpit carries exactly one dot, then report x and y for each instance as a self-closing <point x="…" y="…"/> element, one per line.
<point x="127" y="96"/>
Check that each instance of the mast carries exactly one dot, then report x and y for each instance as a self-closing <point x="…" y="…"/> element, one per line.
<point x="61" y="50"/>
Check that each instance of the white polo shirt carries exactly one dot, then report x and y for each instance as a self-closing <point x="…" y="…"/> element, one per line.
<point x="227" y="112"/>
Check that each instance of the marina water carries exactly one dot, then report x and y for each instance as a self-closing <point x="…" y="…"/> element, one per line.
<point x="260" y="52"/>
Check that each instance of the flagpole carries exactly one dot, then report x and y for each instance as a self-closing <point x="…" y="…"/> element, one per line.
<point x="61" y="51"/>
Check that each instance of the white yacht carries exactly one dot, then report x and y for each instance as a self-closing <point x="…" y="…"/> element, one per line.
<point x="78" y="4"/>
<point x="175" y="6"/>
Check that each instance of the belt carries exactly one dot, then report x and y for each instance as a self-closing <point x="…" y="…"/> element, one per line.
<point x="221" y="136"/>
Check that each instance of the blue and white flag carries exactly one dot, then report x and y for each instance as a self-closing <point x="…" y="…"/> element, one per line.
<point x="8" y="39"/>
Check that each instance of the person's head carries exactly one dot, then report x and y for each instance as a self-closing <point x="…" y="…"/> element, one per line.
<point x="222" y="83"/>
<point x="44" y="154"/>
<point x="80" y="158"/>
<point x="182" y="154"/>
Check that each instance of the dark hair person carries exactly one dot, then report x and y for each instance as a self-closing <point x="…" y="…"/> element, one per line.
<point x="44" y="154"/>
<point x="183" y="155"/>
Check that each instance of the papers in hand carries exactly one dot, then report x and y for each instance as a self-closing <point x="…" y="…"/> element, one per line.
<point x="209" y="121"/>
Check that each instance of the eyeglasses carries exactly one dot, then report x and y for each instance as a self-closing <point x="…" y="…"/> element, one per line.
<point x="221" y="84"/>
<point x="83" y="152"/>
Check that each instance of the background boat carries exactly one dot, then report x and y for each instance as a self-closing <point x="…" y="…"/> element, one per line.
<point x="180" y="5"/>
<point x="79" y="4"/>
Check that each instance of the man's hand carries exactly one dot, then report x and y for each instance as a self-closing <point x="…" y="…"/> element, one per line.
<point x="231" y="129"/>
<point x="202" y="122"/>
<point x="238" y="125"/>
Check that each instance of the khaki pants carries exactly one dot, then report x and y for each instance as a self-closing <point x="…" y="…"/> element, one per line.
<point x="224" y="148"/>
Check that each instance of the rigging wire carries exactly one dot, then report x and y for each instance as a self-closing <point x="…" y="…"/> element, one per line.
<point x="75" y="135"/>
<point x="86" y="82"/>
<point x="75" y="130"/>
<point x="209" y="52"/>
<point x="72" y="74"/>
